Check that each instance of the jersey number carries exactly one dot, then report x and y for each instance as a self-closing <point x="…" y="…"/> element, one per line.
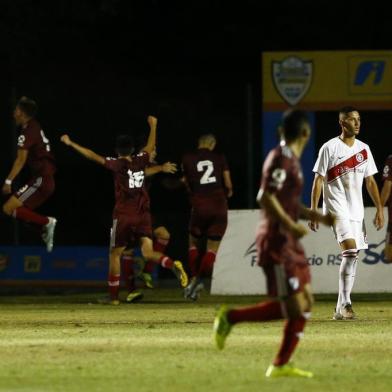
<point x="45" y="140"/>
<point x="135" y="179"/>
<point x="208" y="168"/>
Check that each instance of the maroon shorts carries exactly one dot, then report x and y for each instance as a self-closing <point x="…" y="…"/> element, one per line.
<point x="128" y="229"/>
<point x="286" y="269"/>
<point x="36" y="191"/>
<point x="208" y="218"/>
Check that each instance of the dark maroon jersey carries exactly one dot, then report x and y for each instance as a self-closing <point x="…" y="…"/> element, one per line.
<point x="203" y="170"/>
<point x="387" y="176"/>
<point x="129" y="183"/>
<point x="39" y="159"/>
<point x="281" y="176"/>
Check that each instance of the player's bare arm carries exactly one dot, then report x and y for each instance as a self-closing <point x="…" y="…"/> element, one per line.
<point x="89" y="154"/>
<point x="372" y="189"/>
<point x="167" y="167"/>
<point x="150" y="146"/>
<point x="21" y="158"/>
<point x="386" y="192"/>
<point x="314" y="216"/>
<point x="228" y="183"/>
<point x="272" y="206"/>
<point x="317" y="188"/>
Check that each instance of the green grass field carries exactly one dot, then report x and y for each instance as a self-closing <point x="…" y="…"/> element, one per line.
<point x="67" y="343"/>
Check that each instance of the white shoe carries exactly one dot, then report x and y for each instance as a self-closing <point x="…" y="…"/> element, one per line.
<point x="337" y="315"/>
<point x="48" y="233"/>
<point x="348" y="312"/>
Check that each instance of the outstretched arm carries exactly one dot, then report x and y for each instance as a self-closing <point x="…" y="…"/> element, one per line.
<point x="372" y="189"/>
<point x="89" y="154"/>
<point x="167" y="167"/>
<point x="19" y="162"/>
<point x="149" y="147"/>
<point x="315" y="198"/>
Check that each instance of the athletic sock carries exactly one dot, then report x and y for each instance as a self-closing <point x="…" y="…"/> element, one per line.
<point x="128" y="273"/>
<point x="345" y="276"/>
<point x="114" y="286"/>
<point x="207" y="264"/>
<point x="160" y="245"/>
<point x="293" y="331"/>
<point x="166" y="262"/>
<point x="26" y="215"/>
<point x="263" y="311"/>
<point x="193" y="255"/>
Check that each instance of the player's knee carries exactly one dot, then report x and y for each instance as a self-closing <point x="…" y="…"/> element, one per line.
<point x="162" y="233"/>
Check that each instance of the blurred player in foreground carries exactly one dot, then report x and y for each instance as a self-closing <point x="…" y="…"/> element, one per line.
<point x="131" y="214"/>
<point x="208" y="180"/>
<point x="280" y="253"/>
<point x="342" y="165"/>
<point x="33" y="149"/>
<point x="161" y="237"/>
<point x="386" y="198"/>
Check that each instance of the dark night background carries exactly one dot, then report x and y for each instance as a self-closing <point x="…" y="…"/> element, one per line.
<point x="98" y="68"/>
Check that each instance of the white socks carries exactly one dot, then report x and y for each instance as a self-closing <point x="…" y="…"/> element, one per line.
<point x="347" y="271"/>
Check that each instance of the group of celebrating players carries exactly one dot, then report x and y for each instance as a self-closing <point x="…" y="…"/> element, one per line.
<point x="342" y="165"/>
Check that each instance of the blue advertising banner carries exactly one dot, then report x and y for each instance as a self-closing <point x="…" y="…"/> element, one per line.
<point x="65" y="266"/>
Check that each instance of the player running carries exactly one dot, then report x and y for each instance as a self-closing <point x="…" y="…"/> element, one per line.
<point x="280" y="253"/>
<point x="387" y="199"/>
<point x="33" y="150"/>
<point x="207" y="177"/>
<point x="342" y="165"/>
<point x="131" y="214"/>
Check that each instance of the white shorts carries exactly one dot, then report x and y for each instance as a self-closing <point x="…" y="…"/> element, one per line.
<point x="347" y="229"/>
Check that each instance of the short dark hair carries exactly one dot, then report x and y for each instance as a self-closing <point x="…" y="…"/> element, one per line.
<point x="124" y="145"/>
<point x="292" y="124"/>
<point x="347" y="109"/>
<point x="28" y="106"/>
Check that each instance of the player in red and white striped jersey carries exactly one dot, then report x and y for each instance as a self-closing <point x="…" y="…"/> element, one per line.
<point x="342" y="165"/>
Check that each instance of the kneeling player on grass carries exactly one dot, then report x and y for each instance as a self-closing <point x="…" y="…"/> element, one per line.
<point x="280" y="253"/>
<point x="131" y="215"/>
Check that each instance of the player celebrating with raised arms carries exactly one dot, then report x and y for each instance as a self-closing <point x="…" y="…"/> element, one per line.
<point x="342" y="165"/>
<point x="33" y="150"/>
<point x="280" y="253"/>
<point x="131" y="214"/>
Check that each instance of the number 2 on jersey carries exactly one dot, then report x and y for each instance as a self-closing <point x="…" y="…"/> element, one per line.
<point x="208" y="168"/>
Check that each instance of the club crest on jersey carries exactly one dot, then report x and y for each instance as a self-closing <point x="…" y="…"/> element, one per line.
<point x="292" y="78"/>
<point x="386" y="170"/>
<point x="359" y="157"/>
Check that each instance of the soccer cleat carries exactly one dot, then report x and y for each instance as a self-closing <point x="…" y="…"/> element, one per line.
<point x="134" y="296"/>
<point x="195" y="295"/>
<point x="48" y="233"/>
<point x="108" y="301"/>
<point x="222" y="327"/>
<point x="147" y="279"/>
<point x="189" y="289"/>
<point x="287" y="370"/>
<point x="337" y="315"/>
<point x="348" y="312"/>
<point x="180" y="273"/>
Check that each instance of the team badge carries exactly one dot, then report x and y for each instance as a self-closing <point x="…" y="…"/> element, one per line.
<point x="386" y="170"/>
<point x="359" y="157"/>
<point x="292" y="78"/>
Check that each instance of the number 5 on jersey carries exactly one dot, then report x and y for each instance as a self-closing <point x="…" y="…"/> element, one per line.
<point x="208" y="168"/>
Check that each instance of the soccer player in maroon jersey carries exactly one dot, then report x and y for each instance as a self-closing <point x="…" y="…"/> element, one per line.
<point x="208" y="180"/>
<point x="131" y="214"/>
<point x="280" y="253"/>
<point x="33" y="150"/>
<point x="386" y="198"/>
<point x="160" y="235"/>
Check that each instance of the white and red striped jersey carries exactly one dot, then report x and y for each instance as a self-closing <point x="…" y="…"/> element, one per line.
<point x="344" y="168"/>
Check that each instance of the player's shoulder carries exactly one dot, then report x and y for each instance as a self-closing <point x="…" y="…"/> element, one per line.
<point x="33" y="126"/>
<point x="362" y="145"/>
<point x="331" y="143"/>
<point x="388" y="161"/>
